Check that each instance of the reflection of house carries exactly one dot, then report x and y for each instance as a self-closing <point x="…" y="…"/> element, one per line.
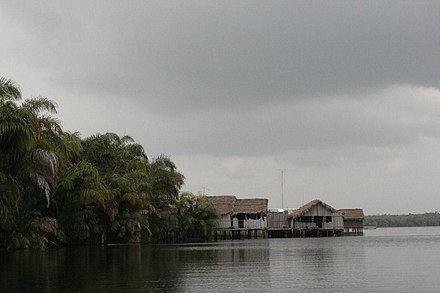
<point x="240" y="213"/>
<point x="316" y="219"/>
<point x="353" y="221"/>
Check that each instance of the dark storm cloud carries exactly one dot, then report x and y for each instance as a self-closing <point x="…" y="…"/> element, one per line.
<point x="343" y="93"/>
<point x="183" y="55"/>
<point x="236" y="78"/>
<point x="392" y="118"/>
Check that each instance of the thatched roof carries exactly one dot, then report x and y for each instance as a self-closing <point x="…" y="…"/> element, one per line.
<point x="229" y="204"/>
<point x="303" y="209"/>
<point x="251" y="206"/>
<point x="223" y="203"/>
<point x="352" y="213"/>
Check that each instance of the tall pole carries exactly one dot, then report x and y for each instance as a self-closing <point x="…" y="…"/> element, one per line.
<point x="204" y="189"/>
<point x="282" y="188"/>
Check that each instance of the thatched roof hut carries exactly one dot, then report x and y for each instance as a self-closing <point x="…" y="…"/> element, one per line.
<point x="229" y="204"/>
<point x="316" y="218"/>
<point x="357" y="214"/>
<point x="305" y="208"/>
<point x="353" y="221"/>
<point x="251" y="206"/>
<point x="223" y="203"/>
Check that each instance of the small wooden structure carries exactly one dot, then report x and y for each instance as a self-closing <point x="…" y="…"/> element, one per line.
<point x="316" y="219"/>
<point x="240" y="217"/>
<point x="250" y="213"/>
<point x="225" y="206"/>
<point x="278" y="224"/>
<point x="353" y="221"/>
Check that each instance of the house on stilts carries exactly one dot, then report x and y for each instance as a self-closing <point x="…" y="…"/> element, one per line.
<point x="251" y="218"/>
<point x="353" y="221"/>
<point x="316" y="219"/>
<point x="240" y="218"/>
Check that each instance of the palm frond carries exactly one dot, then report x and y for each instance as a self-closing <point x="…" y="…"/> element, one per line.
<point x="42" y="184"/>
<point x="126" y="139"/>
<point x="48" y="159"/>
<point x="40" y="104"/>
<point x="9" y="90"/>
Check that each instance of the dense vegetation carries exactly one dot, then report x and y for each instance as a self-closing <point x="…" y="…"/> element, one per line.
<point x="410" y="220"/>
<point x="58" y="188"/>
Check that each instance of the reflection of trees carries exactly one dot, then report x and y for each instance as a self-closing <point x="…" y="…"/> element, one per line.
<point x="26" y="271"/>
<point x="136" y="268"/>
<point x="229" y="267"/>
<point x="79" y="269"/>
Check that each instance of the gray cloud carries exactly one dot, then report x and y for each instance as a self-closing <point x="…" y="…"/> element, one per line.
<point x="346" y="94"/>
<point x="184" y="56"/>
<point x="394" y="117"/>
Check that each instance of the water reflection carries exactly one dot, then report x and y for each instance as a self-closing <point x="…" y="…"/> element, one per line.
<point x="316" y="265"/>
<point x="229" y="267"/>
<point x="79" y="269"/>
<point x="381" y="262"/>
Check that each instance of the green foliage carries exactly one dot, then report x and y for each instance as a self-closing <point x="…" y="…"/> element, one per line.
<point x="197" y="217"/>
<point x="56" y="187"/>
<point x="410" y="220"/>
<point x="9" y="90"/>
<point x="28" y="162"/>
<point x="165" y="179"/>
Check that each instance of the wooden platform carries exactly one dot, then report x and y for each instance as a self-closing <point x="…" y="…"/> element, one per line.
<point x="239" y="233"/>
<point x="279" y="233"/>
<point x="318" y="232"/>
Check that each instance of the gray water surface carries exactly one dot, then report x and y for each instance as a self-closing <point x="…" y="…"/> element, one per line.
<point x="384" y="260"/>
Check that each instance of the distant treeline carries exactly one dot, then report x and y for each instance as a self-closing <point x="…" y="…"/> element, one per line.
<point x="410" y="220"/>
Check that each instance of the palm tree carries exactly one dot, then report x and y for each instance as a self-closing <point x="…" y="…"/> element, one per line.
<point x="8" y="89"/>
<point x="122" y="165"/>
<point x="166" y="180"/>
<point x="81" y="202"/>
<point x="29" y="138"/>
<point x="111" y="153"/>
<point x="29" y="141"/>
<point x="197" y="216"/>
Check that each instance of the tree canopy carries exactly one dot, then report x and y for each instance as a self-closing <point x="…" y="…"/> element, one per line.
<point x="57" y="187"/>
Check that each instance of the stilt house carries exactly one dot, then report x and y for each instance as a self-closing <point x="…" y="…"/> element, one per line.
<point x="250" y="213"/>
<point x="225" y="206"/>
<point x="240" y="213"/>
<point x="316" y="218"/>
<point x="353" y="221"/>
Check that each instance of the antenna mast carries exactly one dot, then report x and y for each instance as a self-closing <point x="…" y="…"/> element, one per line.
<point x="282" y="188"/>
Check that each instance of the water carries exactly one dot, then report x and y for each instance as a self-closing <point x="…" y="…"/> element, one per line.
<point x="384" y="260"/>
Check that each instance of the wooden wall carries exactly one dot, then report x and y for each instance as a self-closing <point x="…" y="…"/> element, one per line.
<point x="225" y="223"/>
<point x="277" y="220"/>
<point x="319" y="210"/>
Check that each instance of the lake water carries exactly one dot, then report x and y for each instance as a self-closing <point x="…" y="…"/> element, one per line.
<point x="384" y="260"/>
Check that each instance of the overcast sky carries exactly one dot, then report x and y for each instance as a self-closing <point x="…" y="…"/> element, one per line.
<point x="345" y="96"/>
